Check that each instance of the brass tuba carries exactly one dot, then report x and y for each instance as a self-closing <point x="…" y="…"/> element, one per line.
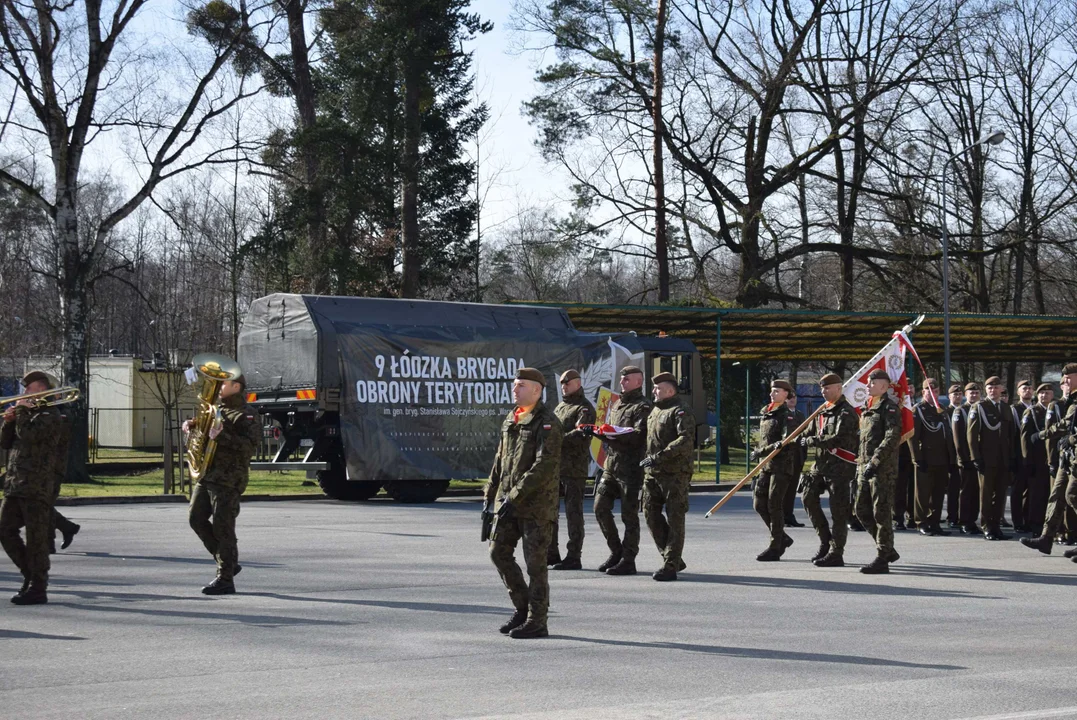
<point x="215" y="370"/>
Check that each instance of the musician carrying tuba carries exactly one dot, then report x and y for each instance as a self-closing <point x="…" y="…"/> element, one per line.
<point x="221" y="439"/>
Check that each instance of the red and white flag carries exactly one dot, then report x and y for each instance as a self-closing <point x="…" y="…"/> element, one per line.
<point x="891" y="359"/>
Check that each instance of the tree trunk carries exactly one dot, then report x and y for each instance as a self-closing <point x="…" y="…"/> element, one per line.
<point x="411" y="258"/>
<point x="661" y="248"/>
<point x="75" y="318"/>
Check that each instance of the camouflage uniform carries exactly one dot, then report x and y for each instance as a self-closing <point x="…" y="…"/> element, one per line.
<point x="28" y="488"/>
<point x="834" y="433"/>
<point x="1064" y="483"/>
<point x="524" y="473"/>
<point x="671" y="430"/>
<point x="63" y="442"/>
<point x="622" y="477"/>
<point x="768" y="499"/>
<point x="215" y="497"/>
<point x="880" y="439"/>
<point x="991" y="437"/>
<point x="571" y="412"/>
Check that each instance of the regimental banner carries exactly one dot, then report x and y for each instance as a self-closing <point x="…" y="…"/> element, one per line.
<point x="890" y="358"/>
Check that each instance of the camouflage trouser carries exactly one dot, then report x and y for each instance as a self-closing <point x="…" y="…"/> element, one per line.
<point x="59" y="522"/>
<point x="839" y="488"/>
<point x="875" y="507"/>
<point x="533" y="596"/>
<point x="1063" y="494"/>
<point x="608" y="491"/>
<point x="667" y="531"/>
<point x="573" y="488"/>
<point x="31" y="557"/>
<point x="212" y="515"/>
<point x="768" y="499"/>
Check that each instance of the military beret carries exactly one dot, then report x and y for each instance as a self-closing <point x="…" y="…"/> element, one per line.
<point x="38" y="376"/>
<point x="1024" y="383"/>
<point x="972" y="386"/>
<point x="993" y="380"/>
<point x="879" y="374"/>
<point x="569" y="376"/>
<point x="830" y="379"/>
<point x="1045" y="387"/>
<point x="526" y="373"/>
<point x="242" y="380"/>
<point x="782" y="385"/>
<point x="665" y="377"/>
<point x="630" y="370"/>
<point x="956" y="387"/>
<point x="928" y="382"/>
<point x="1070" y="369"/>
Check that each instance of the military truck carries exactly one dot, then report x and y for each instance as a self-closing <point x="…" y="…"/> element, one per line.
<point x="406" y="395"/>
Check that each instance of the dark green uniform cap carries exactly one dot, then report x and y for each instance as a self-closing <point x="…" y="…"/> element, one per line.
<point x="879" y="374"/>
<point x="956" y="387"/>
<point x="532" y="374"/>
<point x="569" y="376"/>
<point x="830" y="379"/>
<point x="993" y="380"/>
<point x="38" y="376"/>
<point x="1070" y="369"/>
<point x="630" y="370"/>
<point x="665" y="377"/>
<point x="1045" y="387"/>
<point x="782" y="385"/>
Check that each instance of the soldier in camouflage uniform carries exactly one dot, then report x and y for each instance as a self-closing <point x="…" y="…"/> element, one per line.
<point x="671" y="430"/>
<point x="877" y="466"/>
<point x="1061" y="438"/>
<point x="768" y="498"/>
<point x="67" y="528"/>
<point x="573" y="410"/>
<point x="215" y="498"/>
<point x="834" y="434"/>
<point x="622" y="477"/>
<point x="523" y="491"/>
<point x="29" y="434"/>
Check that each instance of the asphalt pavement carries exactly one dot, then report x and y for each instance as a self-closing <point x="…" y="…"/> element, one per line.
<point x="381" y="610"/>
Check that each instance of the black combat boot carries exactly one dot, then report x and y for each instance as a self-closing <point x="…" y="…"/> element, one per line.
<point x="893" y="556"/>
<point x="236" y="569"/>
<point x="219" y="587"/>
<point x="613" y="559"/>
<point x="769" y="555"/>
<point x="824" y="548"/>
<point x="23" y="589"/>
<point x="569" y="563"/>
<point x="665" y="574"/>
<point x="34" y="595"/>
<point x="831" y="559"/>
<point x="1071" y="553"/>
<point x="792" y="521"/>
<point x="518" y="618"/>
<point x="625" y="567"/>
<point x="530" y="629"/>
<point x="553" y="556"/>
<point x="681" y="566"/>
<point x="1041" y="543"/>
<point x="786" y="541"/>
<point x="855" y="524"/>
<point x="878" y="566"/>
<point x="936" y="529"/>
<point x="69" y="536"/>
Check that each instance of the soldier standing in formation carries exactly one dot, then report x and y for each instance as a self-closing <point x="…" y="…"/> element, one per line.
<point x="1034" y="450"/>
<point x="1019" y="496"/>
<point x="953" y="489"/>
<point x="523" y="490"/>
<point x="671" y="430"/>
<point x="933" y="454"/>
<point x="834" y="435"/>
<point x="573" y="411"/>
<point x="768" y="498"/>
<point x="215" y="498"/>
<point x="622" y="477"/>
<point x="880" y="437"/>
<point x="798" y="464"/>
<point x="969" y="498"/>
<point x="1062" y="438"/>
<point x="29" y="433"/>
<point x="991" y="435"/>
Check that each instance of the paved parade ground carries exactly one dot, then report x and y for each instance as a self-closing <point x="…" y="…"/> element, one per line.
<point x="380" y="610"/>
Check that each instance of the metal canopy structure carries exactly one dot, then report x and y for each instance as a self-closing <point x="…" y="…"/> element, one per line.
<point x="774" y="334"/>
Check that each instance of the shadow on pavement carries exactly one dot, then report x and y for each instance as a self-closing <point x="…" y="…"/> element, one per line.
<point x="173" y="559"/>
<point x="763" y="653"/>
<point x="963" y="572"/>
<point x="866" y="588"/>
<point x="258" y="620"/>
<point x="26" y="635"/>
<point x="393" y="604"/>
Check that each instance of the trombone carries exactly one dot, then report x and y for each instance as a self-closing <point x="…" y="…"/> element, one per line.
<point x="45" y="398"/>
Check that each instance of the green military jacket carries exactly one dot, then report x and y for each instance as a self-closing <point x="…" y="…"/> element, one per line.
<point x="671" y="431"/>
<point x="623" y="453"/>
<point x="880" y="435"/>
<point x="778" y="421"/>
<point x="991" y="433"/>
<point x="1059" y="422"/>
<point x="931" y="443"/>
<point x="527" y="465"/>
<point x="959" y="430"/>
<point x="237" y="442"/>
<point x="1033" y="438"/>
<point x="834" y="432"/>
<point x="63" y="444"/>
<point x="30" y="440"/>
<point x="571" y="412"/>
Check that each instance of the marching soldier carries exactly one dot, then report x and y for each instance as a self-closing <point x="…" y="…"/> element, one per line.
<point x="671" y="430"/>
<point x="798" y="465"/>
<point x="953" y="489"/>
<point x="29" y="433"/>
<point x="1061" y="437"/>
<point x="622" y="477"/>
<point x="215" y="498"/>
<point x="969" y="497"/>
<point x="573" y="410"/>
<point x="67" y="529"/>
<point x="769" y="495"/>
<point x="523" y="484"/>
<point x="834" y="434"/>
<point x="1019" y="490"/>
<point x="933" y="453"/>
<point x="1037" y="464"/>
<point x="990" y="435"/>
<point x="880" y="436"/>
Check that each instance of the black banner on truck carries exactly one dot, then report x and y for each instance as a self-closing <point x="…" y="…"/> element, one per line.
<point x="427" y="403"/>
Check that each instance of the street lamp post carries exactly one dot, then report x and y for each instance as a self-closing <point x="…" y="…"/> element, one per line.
<point x="993" y="139"/>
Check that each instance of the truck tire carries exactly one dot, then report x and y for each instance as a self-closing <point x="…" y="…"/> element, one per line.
<point x="335" y="484"/>
<point x="416" y="491"/>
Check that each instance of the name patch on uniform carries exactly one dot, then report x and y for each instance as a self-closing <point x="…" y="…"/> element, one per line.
<point x="680" y="412"/>
<point x="547" y="427"/>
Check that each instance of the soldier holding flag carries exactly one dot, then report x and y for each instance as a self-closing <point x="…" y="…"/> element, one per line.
<point x="880" y="439"/>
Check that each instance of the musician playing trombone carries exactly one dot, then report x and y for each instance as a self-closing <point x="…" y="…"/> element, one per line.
<point x="29" y="433"/>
